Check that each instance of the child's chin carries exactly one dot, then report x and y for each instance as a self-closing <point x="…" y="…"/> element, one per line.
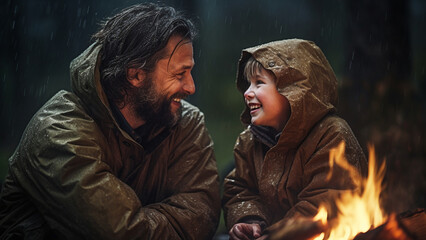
<point x="254" y="122"/>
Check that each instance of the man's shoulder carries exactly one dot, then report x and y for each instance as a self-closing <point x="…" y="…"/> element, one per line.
<point x="57" y="126"/>
<point x="190" y="113"/>
<point x="189" y="108"/>
<point x="191" y="128"/>
<point x="191" y="122"/>
<point x="63" y="112"/>
<point x="63" y="104"/>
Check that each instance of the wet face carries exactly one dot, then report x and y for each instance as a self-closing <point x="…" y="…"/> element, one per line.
<point x="159" y="97"/>
<point x="267" y="106"/>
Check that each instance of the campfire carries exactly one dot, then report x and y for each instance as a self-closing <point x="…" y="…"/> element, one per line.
<point x="360" y="215"/>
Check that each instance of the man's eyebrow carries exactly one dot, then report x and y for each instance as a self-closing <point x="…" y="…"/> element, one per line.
<point x="183" y="67"/>
<point x="187" y="66"/>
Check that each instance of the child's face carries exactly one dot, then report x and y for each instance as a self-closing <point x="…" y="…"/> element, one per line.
<point x="267" y="106"/>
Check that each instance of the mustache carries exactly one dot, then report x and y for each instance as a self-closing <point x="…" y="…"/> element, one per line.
<point x="179" y="95"/>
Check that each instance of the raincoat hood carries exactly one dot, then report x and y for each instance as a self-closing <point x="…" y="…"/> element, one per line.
<point x="86" y="83"/>
<point x="303" y="76"/>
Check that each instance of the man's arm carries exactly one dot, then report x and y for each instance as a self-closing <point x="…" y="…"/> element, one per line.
<point x="193" y="206"/>
<point x="60" y="164"/>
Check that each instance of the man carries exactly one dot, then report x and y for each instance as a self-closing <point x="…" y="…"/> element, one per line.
<point x="122" y="156"/>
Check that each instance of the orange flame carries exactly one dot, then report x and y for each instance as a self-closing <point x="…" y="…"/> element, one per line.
<point x="359" y="210"/>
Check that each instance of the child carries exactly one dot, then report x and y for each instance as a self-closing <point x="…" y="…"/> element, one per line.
<point x="282" y="158"/>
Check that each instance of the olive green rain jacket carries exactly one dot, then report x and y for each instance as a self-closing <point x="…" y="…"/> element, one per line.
<point x="290" y="178"/>
<point x="78" y="175"/>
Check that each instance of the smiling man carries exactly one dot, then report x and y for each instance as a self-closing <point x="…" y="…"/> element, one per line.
<point x="159" y="100"/>
<point x="122" y="156"/>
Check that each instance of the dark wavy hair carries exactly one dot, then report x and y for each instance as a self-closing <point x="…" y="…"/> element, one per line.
<point x="134" y="38"/>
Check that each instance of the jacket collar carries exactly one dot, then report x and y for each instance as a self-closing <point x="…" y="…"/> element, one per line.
<point x="267" y="135"/>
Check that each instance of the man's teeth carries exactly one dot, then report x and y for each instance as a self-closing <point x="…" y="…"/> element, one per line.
<point x="176" y="99"/>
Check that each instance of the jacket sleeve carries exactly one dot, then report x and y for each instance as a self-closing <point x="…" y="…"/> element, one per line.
<point x="314" y="166"/>
<point x="61" y="167"/>
<point x="241" y="200"/>
<point x="193" y="207"/>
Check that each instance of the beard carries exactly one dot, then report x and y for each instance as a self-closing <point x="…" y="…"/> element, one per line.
<point x="152" y="106"/>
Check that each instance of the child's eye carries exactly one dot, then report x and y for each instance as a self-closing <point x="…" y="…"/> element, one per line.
<point x="259" y="82"/>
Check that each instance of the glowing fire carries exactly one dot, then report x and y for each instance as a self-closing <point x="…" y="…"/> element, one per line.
<point x="358" y="211"/>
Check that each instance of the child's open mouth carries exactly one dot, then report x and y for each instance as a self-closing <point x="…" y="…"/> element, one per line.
<point x="254" y="106"/>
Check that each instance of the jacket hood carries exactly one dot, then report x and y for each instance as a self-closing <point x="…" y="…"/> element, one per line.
<point x="86" y="83"/>
<point x="303" y="76"/>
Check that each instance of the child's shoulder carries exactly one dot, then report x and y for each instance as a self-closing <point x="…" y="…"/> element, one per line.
<point x="333" y="121"/>
<point x="331" y="125"/>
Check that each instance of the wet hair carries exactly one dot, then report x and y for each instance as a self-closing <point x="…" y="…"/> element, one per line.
<point x="251" y="68"/>
<point x="136" y="37"/>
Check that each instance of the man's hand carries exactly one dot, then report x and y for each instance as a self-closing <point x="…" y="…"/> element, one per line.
<point x="245" y="231"/>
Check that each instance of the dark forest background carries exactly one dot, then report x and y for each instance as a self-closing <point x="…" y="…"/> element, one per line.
<point x="377" y="50"/>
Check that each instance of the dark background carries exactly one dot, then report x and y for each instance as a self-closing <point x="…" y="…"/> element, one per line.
<point x="375" y="47"/>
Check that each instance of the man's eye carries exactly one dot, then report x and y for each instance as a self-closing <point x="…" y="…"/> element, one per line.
<point x="180" y="75"/>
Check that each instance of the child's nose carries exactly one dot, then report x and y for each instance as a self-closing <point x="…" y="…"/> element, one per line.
<point x="248" y="94"/>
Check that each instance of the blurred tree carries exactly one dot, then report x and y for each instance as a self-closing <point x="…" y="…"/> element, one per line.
<point x="380" y="100"/>
<point x="9" y="62"/>
<point x="38" y="41"/>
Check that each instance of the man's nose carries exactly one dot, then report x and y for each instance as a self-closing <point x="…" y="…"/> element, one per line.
<point x="188" y="85"/>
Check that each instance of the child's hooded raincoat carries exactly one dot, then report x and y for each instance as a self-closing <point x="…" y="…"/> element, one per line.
<point x="275" y="183"/>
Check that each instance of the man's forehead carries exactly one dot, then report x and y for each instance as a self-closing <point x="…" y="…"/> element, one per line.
<point x="181" y="65"/>
<point x="175" y="43"/>
<point x="180" y="54"/>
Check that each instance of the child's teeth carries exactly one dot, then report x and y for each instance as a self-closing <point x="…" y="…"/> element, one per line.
<point x="254" y="106"/>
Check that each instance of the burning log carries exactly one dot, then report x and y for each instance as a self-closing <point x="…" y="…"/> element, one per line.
<point x="414" y="222"/>
<point x="392" y="229"/>
<point x="410" y="225"/>
<point x="407" y="226"/>
<point x="297" y="229"/>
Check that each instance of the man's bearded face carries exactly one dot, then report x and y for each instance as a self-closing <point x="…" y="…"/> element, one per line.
<point x="159" y="98"/>
<point x="153" y="106"/>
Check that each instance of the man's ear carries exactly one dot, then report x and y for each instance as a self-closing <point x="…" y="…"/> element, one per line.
<point x="136" y="76"/>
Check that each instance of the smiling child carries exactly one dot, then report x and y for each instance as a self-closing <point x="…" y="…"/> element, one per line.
<point x="281" y="158"/>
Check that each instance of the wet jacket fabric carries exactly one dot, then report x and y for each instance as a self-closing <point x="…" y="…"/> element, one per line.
<point x="289" y="179"/>
<point x="77" y="175"/>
